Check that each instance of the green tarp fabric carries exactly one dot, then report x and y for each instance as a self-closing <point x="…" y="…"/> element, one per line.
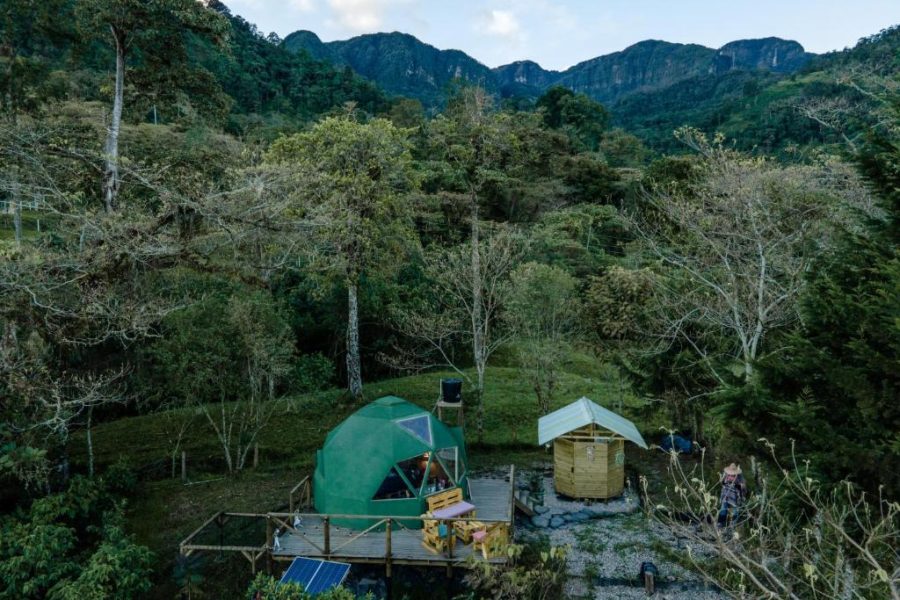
<point x="358" y="456"/>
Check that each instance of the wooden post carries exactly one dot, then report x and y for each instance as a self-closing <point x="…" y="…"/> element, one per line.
<point x="450" y="539"/>
<point x="183" y="466"/>
<point x="649" y="584"/>
<point x="269" y="542"/>
<point x="387" y="548"/>
<point x="255" y="455"/>
<point x="327" y="535"/>
<point x="512" y="502"/>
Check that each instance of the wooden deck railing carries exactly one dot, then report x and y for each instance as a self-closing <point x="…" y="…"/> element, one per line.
<point x="300" y="498"/>
<point x="302" y="492"/>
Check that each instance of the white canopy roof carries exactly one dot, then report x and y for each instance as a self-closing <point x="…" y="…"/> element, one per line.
<point x="584" y="412"/>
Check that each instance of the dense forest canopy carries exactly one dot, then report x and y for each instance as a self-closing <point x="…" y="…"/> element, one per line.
<point x="201" y="226"/>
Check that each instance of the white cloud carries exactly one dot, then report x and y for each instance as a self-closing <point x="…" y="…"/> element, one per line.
<point x="502" y="23"/>
<point x="362" y="16"/>
<point x="304" y="6"/>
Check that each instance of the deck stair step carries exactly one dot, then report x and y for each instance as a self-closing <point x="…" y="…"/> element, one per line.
<point x="524" y="502"/>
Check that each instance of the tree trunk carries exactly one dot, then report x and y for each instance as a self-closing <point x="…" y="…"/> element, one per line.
<point x="478" y="341"/>
<point x="90" y="442"/>
<point x="699" y="425"/>
<point x="111" y="171"/>
<point x="16" y="200"/>
<point x="479" y="406"/>
<point x="354" y="370"/>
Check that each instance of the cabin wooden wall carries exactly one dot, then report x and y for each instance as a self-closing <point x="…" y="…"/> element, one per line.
<point x="564" y="466"/>
<point x="589" y="467"/>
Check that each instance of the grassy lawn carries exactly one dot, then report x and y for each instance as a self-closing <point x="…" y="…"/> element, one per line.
<point x="30" y="222"/>
<point x="164" y="510"/>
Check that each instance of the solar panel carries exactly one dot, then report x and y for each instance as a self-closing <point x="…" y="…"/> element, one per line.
<point x="331" y="574"/>
<point x="316" y="576"/>
<point x="301" y="571"/>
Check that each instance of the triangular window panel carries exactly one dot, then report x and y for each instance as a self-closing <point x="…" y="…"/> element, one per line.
<point x="437" y="480"/>
<point x="419" y="427"/>
<point x="393" y="487"/>
<point x="448" y="456"/>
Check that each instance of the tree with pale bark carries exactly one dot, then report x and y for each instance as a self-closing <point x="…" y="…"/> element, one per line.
<point x="465" y="311"/>
<point x="733" y="251"/>
<point x="351" y="207"/>
<point x="133" y="27"/>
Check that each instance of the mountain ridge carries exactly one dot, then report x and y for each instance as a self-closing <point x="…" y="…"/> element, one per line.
<point x="402" y="64"/>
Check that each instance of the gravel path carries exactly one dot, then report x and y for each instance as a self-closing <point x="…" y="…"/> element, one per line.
<point x="606" y="550"/>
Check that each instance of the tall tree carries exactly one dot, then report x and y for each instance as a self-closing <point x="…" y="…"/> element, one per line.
<point x="543" y="312"/>
<point x="584" y="119"/>
<point x="836" y="387"/>
<point x="352" y="205"/>
<point x="466" y="308"/>
<point x="32" y="36"/>
<point x="735" y="249"/>
<point x="132" y="27"/>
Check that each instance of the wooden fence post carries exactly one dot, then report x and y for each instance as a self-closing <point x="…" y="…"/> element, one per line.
<point x="269" y="542"/>
<point x="327" y="536"/>
<point x="183" y="466"/>
<point x="255" y="455"/>
<point x="512" y="502"/>
<point x="450" y="539"/>
<point x="387" y="548"/>
<point x="649" y="583"/>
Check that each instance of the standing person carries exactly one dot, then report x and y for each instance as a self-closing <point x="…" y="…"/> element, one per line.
<point x="734" y="491"/>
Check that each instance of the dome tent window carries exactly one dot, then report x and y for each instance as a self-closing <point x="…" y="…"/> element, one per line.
<point x="438" y="480"/>
<point x="414" y="470"/>
<point x="449" y="458"/>
<point x="393" y="487"/>
<point x="419" y="427"/>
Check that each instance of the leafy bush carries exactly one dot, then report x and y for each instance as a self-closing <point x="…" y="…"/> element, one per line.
<point x="71" y="545"/>
<point x="265" y="587"/>
<point x="528" y="576"/>
<point x="312" y="373"/>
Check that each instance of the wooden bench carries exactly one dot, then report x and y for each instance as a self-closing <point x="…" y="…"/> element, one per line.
<point x="444" y="499"/>
<point x="451" y="504"/>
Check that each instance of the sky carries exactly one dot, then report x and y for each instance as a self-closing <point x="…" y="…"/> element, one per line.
<point x="559" y="34"/>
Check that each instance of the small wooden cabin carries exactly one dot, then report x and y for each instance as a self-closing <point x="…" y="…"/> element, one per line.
<point x="588" y="449"/>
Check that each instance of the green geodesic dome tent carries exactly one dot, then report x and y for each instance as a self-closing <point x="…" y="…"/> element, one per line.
<point x="384" y="460"/>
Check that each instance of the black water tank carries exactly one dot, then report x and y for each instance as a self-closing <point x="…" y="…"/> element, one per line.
<point x="451" y="390"/>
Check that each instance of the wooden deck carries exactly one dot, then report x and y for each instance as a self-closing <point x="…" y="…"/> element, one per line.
<point x="388" y="541"/>
<point x="491" y="497"/>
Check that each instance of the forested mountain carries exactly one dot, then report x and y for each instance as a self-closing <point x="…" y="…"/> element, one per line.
<point x="402" y="64"/>
<point x="398" y="62"/>
<point x="750" y="90"/>
<point x="759" y="109"/>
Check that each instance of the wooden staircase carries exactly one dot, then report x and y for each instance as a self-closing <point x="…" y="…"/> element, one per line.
<point x="524" y="503"/>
